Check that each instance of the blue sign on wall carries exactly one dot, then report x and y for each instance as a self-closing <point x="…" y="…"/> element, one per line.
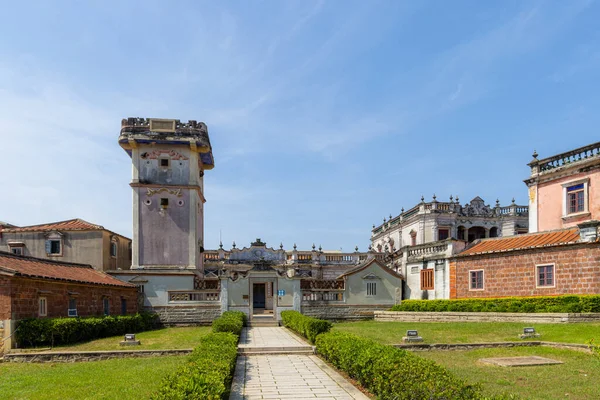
<point x="281" y="292"/>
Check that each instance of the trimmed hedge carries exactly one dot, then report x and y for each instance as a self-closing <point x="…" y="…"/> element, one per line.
<point x="308" y="327"/>
<point x="541" y="304"/>
<point x="392" y="373"/>
<point x="207" y="373"/>
<point x="230" y="321"/>
<point x="35" y="332"/>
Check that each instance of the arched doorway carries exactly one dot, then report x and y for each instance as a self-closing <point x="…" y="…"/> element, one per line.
<point x="460" y="233"/>
<point x="494" y="231"/>
<point x="476" y="232"/>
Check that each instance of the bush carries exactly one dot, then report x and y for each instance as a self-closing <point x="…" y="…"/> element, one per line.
<point x="540" y="304"/>
<point x="35" y="332"/>
<point x="230" y="321"/>
<point x="392" y="373"/>
<point x="308" y="327"/>
<point x="207" y="372"/>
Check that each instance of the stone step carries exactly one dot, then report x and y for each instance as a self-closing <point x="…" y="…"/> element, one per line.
<point x="256" y="350"/>
<point x="267" y="324"/>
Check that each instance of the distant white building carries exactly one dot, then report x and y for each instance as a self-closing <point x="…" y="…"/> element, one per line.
<point x="418" y="242"/>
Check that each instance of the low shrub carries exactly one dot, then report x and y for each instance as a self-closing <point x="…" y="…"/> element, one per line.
<point x="308" y="327"/>
<point x="392" y="373"/>
<point x="230" y="321"/>
<point x="34" y="332"/>
<point x="207" y="373"/>
<point x="540" y="304"/>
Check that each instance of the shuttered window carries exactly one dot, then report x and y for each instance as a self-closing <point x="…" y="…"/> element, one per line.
<point x="427" y="279"/>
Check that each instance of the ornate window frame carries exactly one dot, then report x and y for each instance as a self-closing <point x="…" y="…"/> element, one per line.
<point x="565" y="198"/>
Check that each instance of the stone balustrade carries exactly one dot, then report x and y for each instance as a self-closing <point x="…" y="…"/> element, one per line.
<point x="567" y="158"/>
<point x="195" y="296"/>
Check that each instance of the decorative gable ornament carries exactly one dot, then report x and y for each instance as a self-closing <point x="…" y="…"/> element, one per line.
<point x="371" y="276"/>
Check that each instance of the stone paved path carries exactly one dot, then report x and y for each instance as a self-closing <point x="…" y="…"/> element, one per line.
<point x="285" y="376"/>
<point x="268" y="337"/>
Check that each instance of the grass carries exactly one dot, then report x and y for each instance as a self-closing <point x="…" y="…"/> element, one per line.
<point x="470" y="332"/>
<point x="129" y="378"/>
<point x="166" y="338"/>
<point x="577" y="378"/>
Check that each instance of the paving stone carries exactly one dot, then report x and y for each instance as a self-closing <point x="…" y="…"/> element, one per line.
<point x="289" y="377"/>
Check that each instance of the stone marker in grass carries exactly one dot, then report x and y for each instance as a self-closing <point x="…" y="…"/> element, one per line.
<point x="130" y="340"/>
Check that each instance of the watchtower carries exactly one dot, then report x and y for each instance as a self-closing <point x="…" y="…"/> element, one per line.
<point x="169" y="158"/>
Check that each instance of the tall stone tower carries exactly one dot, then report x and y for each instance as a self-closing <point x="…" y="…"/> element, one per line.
<point x="169" y="158"/>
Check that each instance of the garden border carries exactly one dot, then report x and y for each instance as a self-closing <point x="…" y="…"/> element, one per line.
<point x="82" y="356"/>
<point x="454" y="316"/>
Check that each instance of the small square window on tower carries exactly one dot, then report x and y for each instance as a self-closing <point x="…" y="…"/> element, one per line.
<point x="164" y="162"/>
<point x="164" y="202"/>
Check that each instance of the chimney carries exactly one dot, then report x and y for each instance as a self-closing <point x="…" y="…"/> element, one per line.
<point x="588" y="231"/>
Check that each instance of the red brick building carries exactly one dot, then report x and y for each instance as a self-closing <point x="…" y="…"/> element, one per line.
<point x="565" y="261"/>
<point x="33" y="287"/>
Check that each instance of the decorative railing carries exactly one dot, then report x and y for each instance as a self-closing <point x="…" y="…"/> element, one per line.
<point x="339" y="258"/>
<point x="194" y="296"/>
<point x="319" y="284"/>
<point x="304" y="257"/>
<point x="421" y="251"/>
<point x="211" y="256"/>
<point x="322" y="296"/>
<point x="380" y="257"/>
<point x="514" y="210"/>
<point x="207" y="284"/>
<point x="570" y="157"/>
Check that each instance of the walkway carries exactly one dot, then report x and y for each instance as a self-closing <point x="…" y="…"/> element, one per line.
<point x="284" y="374"/>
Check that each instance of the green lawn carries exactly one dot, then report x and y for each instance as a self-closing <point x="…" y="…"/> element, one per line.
<point x="166" y="338"/>
<point x="577" y="378"/>
<point x="470" y="332"/>
<point x="130" y="378"/>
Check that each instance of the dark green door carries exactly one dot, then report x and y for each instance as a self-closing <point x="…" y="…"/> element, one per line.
<point x="258" y="295"/>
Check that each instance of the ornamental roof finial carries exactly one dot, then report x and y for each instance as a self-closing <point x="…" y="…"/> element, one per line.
<point x="234" y="244"/>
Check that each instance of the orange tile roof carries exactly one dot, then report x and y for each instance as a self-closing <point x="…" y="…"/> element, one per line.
<point x="522" y="242"/>
<point x="54" y="270"/>
<point x="68" y="225"/>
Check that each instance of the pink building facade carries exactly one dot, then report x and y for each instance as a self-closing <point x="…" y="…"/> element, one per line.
<point x="564" y="190"/>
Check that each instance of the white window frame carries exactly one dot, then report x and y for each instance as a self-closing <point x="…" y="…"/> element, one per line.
<point x="371" y="288"/>
<point x="42" y="307"/>
<point x="14" y="249"/>
<point x="51" y="238"/>
<point x="536" y="273"/>
<point x="471" y="289"/>
<point x="565" y="201"/>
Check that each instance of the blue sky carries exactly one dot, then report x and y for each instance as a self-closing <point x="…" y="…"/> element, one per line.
<point x="324" y="116"/>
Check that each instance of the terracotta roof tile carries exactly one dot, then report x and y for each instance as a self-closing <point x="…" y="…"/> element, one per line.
<point x="68" y="225"/>
<point x="521" y="242"/>
<point x="48" y="269"/>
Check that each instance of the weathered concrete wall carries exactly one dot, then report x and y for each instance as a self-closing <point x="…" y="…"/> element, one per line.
<point x="164" y="233"/>
<point x="201" y="314"/>
<point x="78" y="247"/>
<point x="178" y="171"/>
<point x="356" y="287"/>
<point x="549" y="318"/>
<point x="325" y="310"/>
<point x="122" y="260"/>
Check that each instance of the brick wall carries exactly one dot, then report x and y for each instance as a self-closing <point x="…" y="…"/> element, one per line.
<point x="5" y="305"/>
<point x="577" y="271"/>
<point x="26" y="292"/>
